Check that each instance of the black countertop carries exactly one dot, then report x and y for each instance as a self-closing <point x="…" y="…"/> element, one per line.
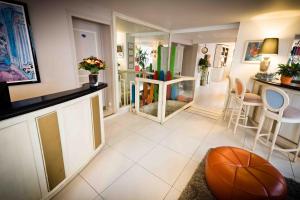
<point x="275" y="82"/>
<point x="37" y="103"/>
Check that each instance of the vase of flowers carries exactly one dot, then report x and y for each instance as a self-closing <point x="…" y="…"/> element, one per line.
<point x="93" y="65"/>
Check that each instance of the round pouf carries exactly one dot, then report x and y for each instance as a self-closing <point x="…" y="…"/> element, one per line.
<point x="234" y="173"/>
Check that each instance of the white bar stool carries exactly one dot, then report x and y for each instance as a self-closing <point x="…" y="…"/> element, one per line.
<point x="243" y="102"/>
<point x="276" y="107"/>
<point x="231" y="94"/>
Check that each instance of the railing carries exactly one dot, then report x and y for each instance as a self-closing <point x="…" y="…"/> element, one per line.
<point x="161" y="100"/>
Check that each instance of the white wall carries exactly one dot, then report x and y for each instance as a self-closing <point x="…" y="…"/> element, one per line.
<point x="53" y="43"/>
<point x="190" y="61"/>
<point x="283" y="28"/>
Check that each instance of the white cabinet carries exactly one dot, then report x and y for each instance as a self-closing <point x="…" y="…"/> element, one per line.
<point x="40" y="152"/>
<point x="18" y="175"/>
<point x="76" y="134"/>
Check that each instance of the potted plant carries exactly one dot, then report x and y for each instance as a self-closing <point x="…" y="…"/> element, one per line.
<point x="287" y="72"/>
<point x="203" y="66"/>
<point x="297" y="77"/>
<point x="141" y="58"/>
<point x="93" y="65"/>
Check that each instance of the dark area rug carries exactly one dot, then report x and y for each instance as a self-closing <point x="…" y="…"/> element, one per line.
<point x="198" y="189"/>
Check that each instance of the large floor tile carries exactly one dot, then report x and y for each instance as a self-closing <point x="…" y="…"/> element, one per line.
<point x="186" y="175"/>
<point x="134" y="147"/>
<point x="105" y="169"/>
<point x="191" y="131"/>
<point x="78" y="189"/>
<point x="155" y="132"/>
<point x="173" y="194"/>
<point x="296" y="168"/>
<point x="99" y="197"/>
<point x="123" y="134"/>
<point x="137" y="184"/>
<point x="139" y="123"/>
<point x="205" y="124"/>
<point x="181" y="143"/>
<point x="175" y="122"/>
<point x="164" y="163"/>
<point x="203" y="149"/>
<point x="283" y="165"/>
<point x="225" y="138"/>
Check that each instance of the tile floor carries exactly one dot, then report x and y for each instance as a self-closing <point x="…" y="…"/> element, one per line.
<point x="145" y="160"/>
<point x="212" y="96"/>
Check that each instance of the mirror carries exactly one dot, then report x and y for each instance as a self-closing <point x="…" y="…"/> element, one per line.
<point x="138" y="49"/>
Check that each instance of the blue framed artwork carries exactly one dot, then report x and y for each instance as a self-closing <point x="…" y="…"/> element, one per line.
<point x="251" y="52"/>
<point x="18" y="64"/>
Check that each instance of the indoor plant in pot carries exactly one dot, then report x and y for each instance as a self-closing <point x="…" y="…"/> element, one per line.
<point x="203" y="69"/>
<point x="287" y="72"/>
<point x="93" y="65"/>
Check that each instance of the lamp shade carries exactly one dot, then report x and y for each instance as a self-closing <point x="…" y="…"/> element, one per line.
<point x="269" y="46"/>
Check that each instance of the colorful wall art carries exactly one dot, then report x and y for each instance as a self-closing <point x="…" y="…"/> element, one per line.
<point x="17" y="57"/>
<point x="251" y="52"/>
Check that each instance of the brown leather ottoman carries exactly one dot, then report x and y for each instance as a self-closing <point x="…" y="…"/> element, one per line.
<point x="234" y="173"/>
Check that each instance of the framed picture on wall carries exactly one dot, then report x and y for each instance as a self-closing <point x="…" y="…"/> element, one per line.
<point x="251" y="51"/>
<point x="130" y="55"/>
<point x="18" y="63"/>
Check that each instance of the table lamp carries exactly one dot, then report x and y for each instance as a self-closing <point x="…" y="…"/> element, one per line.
<point x="268" y="47"/>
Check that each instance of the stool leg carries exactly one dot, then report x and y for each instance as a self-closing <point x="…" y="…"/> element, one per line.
<point x="228" y="104"/>
<point x="260" y="125"/>
<point x="297" y="152"/>
<point x="246" y="114"/>
<point x="270" y="131"/>
<point x="237" y="119"/>
<point x="231" y="116"/>
<point x="274" y="139"/>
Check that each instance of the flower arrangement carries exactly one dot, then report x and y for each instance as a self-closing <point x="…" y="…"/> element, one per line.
<point x="92" y="64"/>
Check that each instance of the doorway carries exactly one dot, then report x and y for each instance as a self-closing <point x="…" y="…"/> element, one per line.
<point x="94" y="39"/>
<point x="208" y="56"/>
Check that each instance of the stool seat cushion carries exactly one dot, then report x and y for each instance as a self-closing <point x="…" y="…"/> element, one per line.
<point x="291" y="114"/>
<point x="234" y="173"/>
<point x="252" y="98"/>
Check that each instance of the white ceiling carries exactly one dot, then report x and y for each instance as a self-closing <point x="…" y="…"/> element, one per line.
<point x="129" y="27"/>
<point x="179" y="14"/>
<point x="216" y="36"/>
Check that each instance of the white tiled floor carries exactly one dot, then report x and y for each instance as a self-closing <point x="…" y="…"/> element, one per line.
<point x="146" y="160"/>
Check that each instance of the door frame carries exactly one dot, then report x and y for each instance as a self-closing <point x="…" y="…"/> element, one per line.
<point x="115" y="65"/>
<point x="103" y="21"/>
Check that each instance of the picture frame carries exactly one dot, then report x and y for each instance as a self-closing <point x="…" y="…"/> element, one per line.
<point x="18" y="62"/>
<point x="130" y="55"/>
<point x="120" y="51"/>
<point x="251" y="52"/>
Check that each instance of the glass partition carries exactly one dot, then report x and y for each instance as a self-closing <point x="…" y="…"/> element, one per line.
<point x="160" y="100"/>
<point x="178" y="94"/>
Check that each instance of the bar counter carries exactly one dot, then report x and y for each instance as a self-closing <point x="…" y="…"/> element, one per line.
<point x="289" y="133"/>
<point x="276" y="82"/>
